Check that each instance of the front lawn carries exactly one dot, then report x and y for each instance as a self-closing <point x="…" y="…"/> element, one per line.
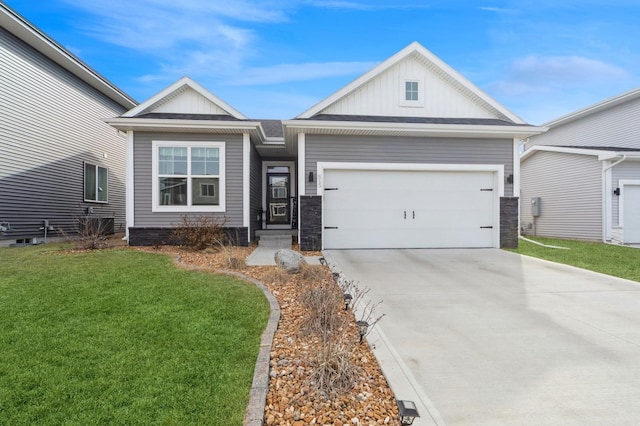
<point x="608" y="259"/>
<point x="123" y="337"/>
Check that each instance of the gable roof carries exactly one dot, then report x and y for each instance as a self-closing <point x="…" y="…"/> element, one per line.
<point x="436" y="65"/>
<point x="38" y="40"/>
<point x="177" y="89"/>
<point x="595" y="108"/>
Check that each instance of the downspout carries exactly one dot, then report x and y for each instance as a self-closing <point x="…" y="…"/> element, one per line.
<point x="605" y="193"/>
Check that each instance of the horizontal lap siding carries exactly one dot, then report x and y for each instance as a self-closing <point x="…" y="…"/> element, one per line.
<point x="627" y="170"/>
<point x="321" y="148"/>
<point x="570" y="188"/>
<point x="142" y="154"/>
<point x="50" y="123"/>
<point x="615" y="127"/>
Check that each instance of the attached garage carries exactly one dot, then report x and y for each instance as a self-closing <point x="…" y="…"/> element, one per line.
<point x="630" y="219"/>
<point x="410" y="206"/>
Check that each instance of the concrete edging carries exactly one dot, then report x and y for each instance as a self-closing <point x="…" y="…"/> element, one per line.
<point x="254" y="416"/>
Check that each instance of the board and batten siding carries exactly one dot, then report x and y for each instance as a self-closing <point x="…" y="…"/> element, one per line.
<point x="615" y="127"/>
<point x="627" y="170"/>
<point x="369" y="149"/>
<point x="142" y="159"/>
<point x="383" y="95"/>
<point x="51" y="122"/>
<point x="570" y="188"/>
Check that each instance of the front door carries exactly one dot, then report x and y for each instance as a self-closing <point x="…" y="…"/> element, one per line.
<point x="278" y="201"/>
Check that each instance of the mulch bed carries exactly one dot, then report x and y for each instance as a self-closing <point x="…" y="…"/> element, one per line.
<point x="292" y="398"/>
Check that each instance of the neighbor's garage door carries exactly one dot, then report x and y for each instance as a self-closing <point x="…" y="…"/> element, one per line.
<point x="409" y="209"/>
<point x="631" y="219"/>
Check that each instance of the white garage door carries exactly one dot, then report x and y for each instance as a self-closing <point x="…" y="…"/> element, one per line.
<point x="631" y="220"/>
<point x="410" y="209"/>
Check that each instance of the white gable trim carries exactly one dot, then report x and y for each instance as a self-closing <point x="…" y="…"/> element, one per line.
<point x="414" y="47"/>
<point x="184" y="81"/>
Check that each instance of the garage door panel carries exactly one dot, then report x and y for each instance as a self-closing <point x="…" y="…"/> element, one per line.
<point x="409" y="209"/>
<point x="631" y="218"/>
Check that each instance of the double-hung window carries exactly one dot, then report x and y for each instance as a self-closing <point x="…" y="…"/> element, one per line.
<point x="188" y="176"/>
<point x="96" y="183"/>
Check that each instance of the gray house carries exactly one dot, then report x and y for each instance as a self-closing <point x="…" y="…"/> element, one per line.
<point x="59" y="160"/>
<point x="581" y="179"/>
<point x="411" y="154"/>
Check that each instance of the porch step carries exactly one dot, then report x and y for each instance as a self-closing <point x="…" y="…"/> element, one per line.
<point x="275" y="241"/>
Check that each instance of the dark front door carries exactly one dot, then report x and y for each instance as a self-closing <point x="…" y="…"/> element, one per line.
<point x="278" y="201"/>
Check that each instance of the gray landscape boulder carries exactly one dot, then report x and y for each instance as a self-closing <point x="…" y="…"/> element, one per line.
<point x="289" y="260"/>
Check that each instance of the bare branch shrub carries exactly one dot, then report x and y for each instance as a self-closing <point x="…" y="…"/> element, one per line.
<point x="201" y="232"/>
<point x="323" y="306"/>
<point x="91" y="234"/>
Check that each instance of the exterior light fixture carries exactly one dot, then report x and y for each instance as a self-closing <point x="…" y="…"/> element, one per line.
<point x="310" y="176"/>
<point x="408" y="412"/>
<point x="322" y="261"/>
<point x="347" y="300"/>
<point x="336" y="277"/>
<point x="363" y="327"/>
<point x="616" y="191"/>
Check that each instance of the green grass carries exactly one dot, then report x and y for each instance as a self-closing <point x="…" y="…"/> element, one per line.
<point x="123" y="337"/>
<point x="618" y="261"/>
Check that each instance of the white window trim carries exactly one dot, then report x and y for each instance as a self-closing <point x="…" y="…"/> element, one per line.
<point x="156" y="207"/>
<point x="84" y="182"/>
<point x="411" y="104"/>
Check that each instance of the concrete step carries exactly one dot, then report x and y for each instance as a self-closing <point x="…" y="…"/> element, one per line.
<point x="275" y="241"/>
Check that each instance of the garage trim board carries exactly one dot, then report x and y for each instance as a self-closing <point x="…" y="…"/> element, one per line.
<point x="399" y="205"/>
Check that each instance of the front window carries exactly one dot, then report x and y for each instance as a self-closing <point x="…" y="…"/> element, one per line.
<point x="188" y="176"/>
<point x="96" y="183"/>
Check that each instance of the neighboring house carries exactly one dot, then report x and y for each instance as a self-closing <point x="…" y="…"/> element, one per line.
<point x="59" y="160"/>
<point x="584" y="174"/>
<point x="411" y="154"/>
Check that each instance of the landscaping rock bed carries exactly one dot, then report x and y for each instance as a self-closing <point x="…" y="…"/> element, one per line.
<point x="293" y="398"/>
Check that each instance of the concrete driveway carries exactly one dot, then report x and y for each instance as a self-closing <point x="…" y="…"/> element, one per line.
<point x="487" y="337"/>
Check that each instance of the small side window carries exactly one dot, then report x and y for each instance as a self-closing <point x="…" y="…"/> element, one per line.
<point x="411" y="93"/>
<point x="96" y="183"/>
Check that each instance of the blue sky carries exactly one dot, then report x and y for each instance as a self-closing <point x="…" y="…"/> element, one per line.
<point x="276" y="58"/>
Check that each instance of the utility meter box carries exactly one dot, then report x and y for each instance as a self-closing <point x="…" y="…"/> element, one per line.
<point x="535" y="206"/>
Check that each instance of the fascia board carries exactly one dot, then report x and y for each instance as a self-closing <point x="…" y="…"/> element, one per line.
<point x="566" y="150"/>
<point x="137" y="124"/>
<point x="511" y="131"/>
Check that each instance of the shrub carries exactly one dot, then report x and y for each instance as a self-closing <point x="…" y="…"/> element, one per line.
<point x="200" y="232"/>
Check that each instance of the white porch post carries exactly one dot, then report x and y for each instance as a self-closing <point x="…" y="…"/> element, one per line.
<point x="129" y="186"/>
<point x="302" y="174"/>
<point x="246" y="182"/>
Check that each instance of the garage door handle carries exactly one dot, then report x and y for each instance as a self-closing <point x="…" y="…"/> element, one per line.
<point x="414" y="214"/>
<point x="405" y="214"/>
<point x="486" y="227"/>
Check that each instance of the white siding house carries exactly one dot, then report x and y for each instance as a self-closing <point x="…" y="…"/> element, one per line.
<point x="59" y="160"/>
<point x="585" y="174"/>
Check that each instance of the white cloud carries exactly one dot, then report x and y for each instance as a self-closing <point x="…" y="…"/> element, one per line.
<point x="281" y="73"/>
<point x="564" y="69"/>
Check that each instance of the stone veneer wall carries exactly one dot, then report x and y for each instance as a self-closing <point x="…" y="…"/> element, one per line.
<point x="509" y="222"/>
<point x="310" y="222"/>
<point x="163" y="236"/>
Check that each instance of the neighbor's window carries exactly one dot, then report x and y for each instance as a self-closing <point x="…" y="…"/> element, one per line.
<point x="96" y="183"/>
<point x="188" y="176"/>
<point x="411" y="91"/>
